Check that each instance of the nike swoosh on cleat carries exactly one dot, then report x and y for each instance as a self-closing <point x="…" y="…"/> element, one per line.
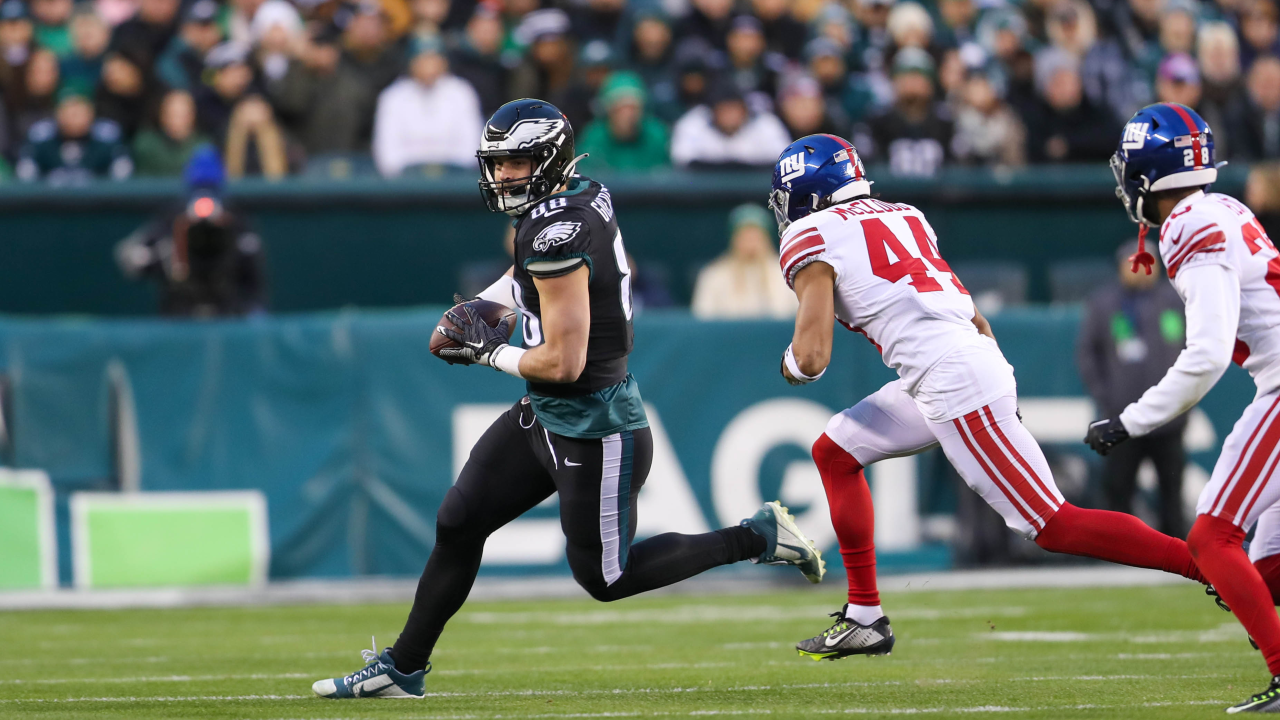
<point x="835" y="639"/>
<point x="571" y="463"/>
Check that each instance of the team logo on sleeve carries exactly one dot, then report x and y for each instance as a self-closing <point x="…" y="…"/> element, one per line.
<point x="557" y="233"/>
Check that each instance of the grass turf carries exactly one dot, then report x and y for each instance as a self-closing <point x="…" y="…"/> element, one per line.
<point x="1159" y="652"/>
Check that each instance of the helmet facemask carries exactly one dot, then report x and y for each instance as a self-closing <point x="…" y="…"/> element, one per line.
<point x="1133" y="200"/>
<point x="779" y="203"/>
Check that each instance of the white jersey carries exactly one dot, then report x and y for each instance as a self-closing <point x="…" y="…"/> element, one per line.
<point x="893" y="287"/>
<point x="1204" y="231"/>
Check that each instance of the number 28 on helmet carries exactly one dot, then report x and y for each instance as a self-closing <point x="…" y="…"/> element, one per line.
<point x="814" y="173"/>
<point x="1165" y="146"/>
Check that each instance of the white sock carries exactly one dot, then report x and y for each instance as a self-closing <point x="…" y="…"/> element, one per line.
<point x="864" y="614"/>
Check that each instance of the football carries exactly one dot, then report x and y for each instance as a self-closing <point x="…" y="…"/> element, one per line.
<point x="489" y="311"/>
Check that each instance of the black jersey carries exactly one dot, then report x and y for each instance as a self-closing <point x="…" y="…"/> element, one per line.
<point x="570" y="229"/>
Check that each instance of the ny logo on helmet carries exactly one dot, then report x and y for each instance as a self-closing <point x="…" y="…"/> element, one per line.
<point x="1135" y="135"/>
<point x="791" y="167"/>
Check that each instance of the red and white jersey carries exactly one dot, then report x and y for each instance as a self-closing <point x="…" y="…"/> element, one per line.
<point x="1218" y="229"/>
<point x="891" y="284"/>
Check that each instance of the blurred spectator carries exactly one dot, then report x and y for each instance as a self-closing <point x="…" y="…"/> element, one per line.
<point x="42" y="80"/>
<point x="914" y="136"/>
<point x="650" y="53"/>
<point x="548" y="69"/>
<point x="1066" y="126"/>
<point x="871" y="41"/>
<point x="89" y="39"/>
<point x="331" y="111"/>
<point x="1178" y="81"/>
<point x="959" y="22"/>
<point x="429" y="17"/>
<point x="626" y="137"/>
<point x="744" y="283"/>
<point x="804" y="110"/>
<point x="696" y="66"/>
<point x="987" y="131"/>
<point x="1109" y="81"/>
<point x="595" y="62"/>
<point x="478" y="59"/>
<point x="1258" y="30"/>
<point x="1222" y="89"/>
<point x="1262" y="195"/>
<point x="1131" y="333"/>
<point x="165" y="149"/>
<point x="750" y="68"/>
<point x="910" y="26"/>
<point x="597" y="19"/>
<point x="725" y="133"/>
<point x="277" y="36"/>
<point x="16" y="33"/>
<point x="430" y="117"/>
<point x="181" y="65"/>
<point x="53" y="25"/>
<point x="74" y="147"/>
<point x="125" y="94"/>
<point x="709" y="20"/>
<point x="205" y="257"/>
<point x="783" y="33"/>
<point x="1137" y="26"/>
<point x="845" y="100"/>
<point x="230" y="108"/>
<point x="1256" y="133"/>
<point x="145" y="35"/>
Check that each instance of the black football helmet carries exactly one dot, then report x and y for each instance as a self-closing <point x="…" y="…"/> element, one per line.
<point x="525" y="128"/>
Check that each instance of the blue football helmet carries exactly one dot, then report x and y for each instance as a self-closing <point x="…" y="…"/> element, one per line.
<point x="1165" y="146"/>
<point x="814" y="173"/>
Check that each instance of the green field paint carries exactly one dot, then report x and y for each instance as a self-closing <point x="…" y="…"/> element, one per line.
<point x="21" y="558"/>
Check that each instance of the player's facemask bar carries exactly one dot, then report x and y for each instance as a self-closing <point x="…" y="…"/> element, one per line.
<point x="517" y="195"/>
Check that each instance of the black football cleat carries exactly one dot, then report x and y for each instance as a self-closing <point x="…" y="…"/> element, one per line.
<point x="1267" y="701"/>
<point x="1212" y="592"/>
<point x="847" y="637"/>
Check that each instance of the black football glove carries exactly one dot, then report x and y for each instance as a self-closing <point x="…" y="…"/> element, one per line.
<point x="1106" y="434"/>
<point x="476" y="338"/>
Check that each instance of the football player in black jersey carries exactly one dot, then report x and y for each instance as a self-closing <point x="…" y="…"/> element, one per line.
<point x="580" y="431"/>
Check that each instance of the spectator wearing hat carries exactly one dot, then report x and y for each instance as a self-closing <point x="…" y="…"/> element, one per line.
<point x="548" y="69"/>
<point x="205" y="257"/>
<point x="278" y="38"/>
<point x="987" y="130"/>
<point x="430" y="117"/>
<point x="872" y="45"/>
<point x="53" y="25"/>
<point x="804" y="111"/>
<point x="145" y="35"/>
<point x="230" y="107"/>
<point x="74" y="147"/>
<point x="1178" y="81"/>
<point x="648" y="51"/>
<point x="164" y="148"/>
<point x="708" y="20"/>
<point x="913" y="137"/>
<point x="910" y="25"/>
<point x="1255" y="134"/>
<point x="477" y="58"/>
<point x="332" y="112"/>
<point x="750" y="67"/>
<point x="625" y="138"/>
<point x="783" y="33"/>
<point x="1223" y="101"/>
<point x="846" y="97"/>
<point x="595" y="61"/>
<point x="89" y="39"/>
<point x="744" y="282"/>
<point x="1065" y="126"/>
<point x="724" y="133"/>
<point x="1130" y="334"/>
<point x="959" y="23"/>
<point x="181" y="65"/>
<point x="696" y="66"/>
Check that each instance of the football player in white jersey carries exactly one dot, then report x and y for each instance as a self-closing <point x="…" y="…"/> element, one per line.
<point x="1228" y="273"/>
<point x="874" y="266"/>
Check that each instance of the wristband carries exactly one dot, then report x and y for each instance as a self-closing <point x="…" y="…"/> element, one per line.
<point x="507" y="359"/>
<point x="789" y="359"/>
<point x="502" y="291"/>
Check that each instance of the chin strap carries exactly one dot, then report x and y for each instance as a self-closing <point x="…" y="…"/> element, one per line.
<point x="1142" y="257"/>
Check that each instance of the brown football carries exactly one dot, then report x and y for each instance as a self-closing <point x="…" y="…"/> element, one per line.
<point x="491" y="312"/>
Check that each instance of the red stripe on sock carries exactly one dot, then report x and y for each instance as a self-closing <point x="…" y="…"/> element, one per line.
<point x="1008" y="493"/>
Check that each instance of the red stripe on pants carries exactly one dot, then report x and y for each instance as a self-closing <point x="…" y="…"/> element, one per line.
<point x="1008" y="493"/>
<point x="1252" y="474"/>
<point x="1017" y="457"/>
<point x="1017" y="484"/>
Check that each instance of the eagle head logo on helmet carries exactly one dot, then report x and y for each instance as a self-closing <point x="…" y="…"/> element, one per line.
<point x="814" y="173"/>
<point x="531" y="129"/>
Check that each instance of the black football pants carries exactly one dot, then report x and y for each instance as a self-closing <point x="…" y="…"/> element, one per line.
<point x="517" y="464"/>
<point x="1120" y="477"/>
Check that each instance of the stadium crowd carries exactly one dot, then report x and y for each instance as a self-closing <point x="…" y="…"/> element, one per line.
<point x="112" y="88"/>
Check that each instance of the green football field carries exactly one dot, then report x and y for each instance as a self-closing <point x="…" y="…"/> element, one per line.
<point x="1154" y="652"/>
